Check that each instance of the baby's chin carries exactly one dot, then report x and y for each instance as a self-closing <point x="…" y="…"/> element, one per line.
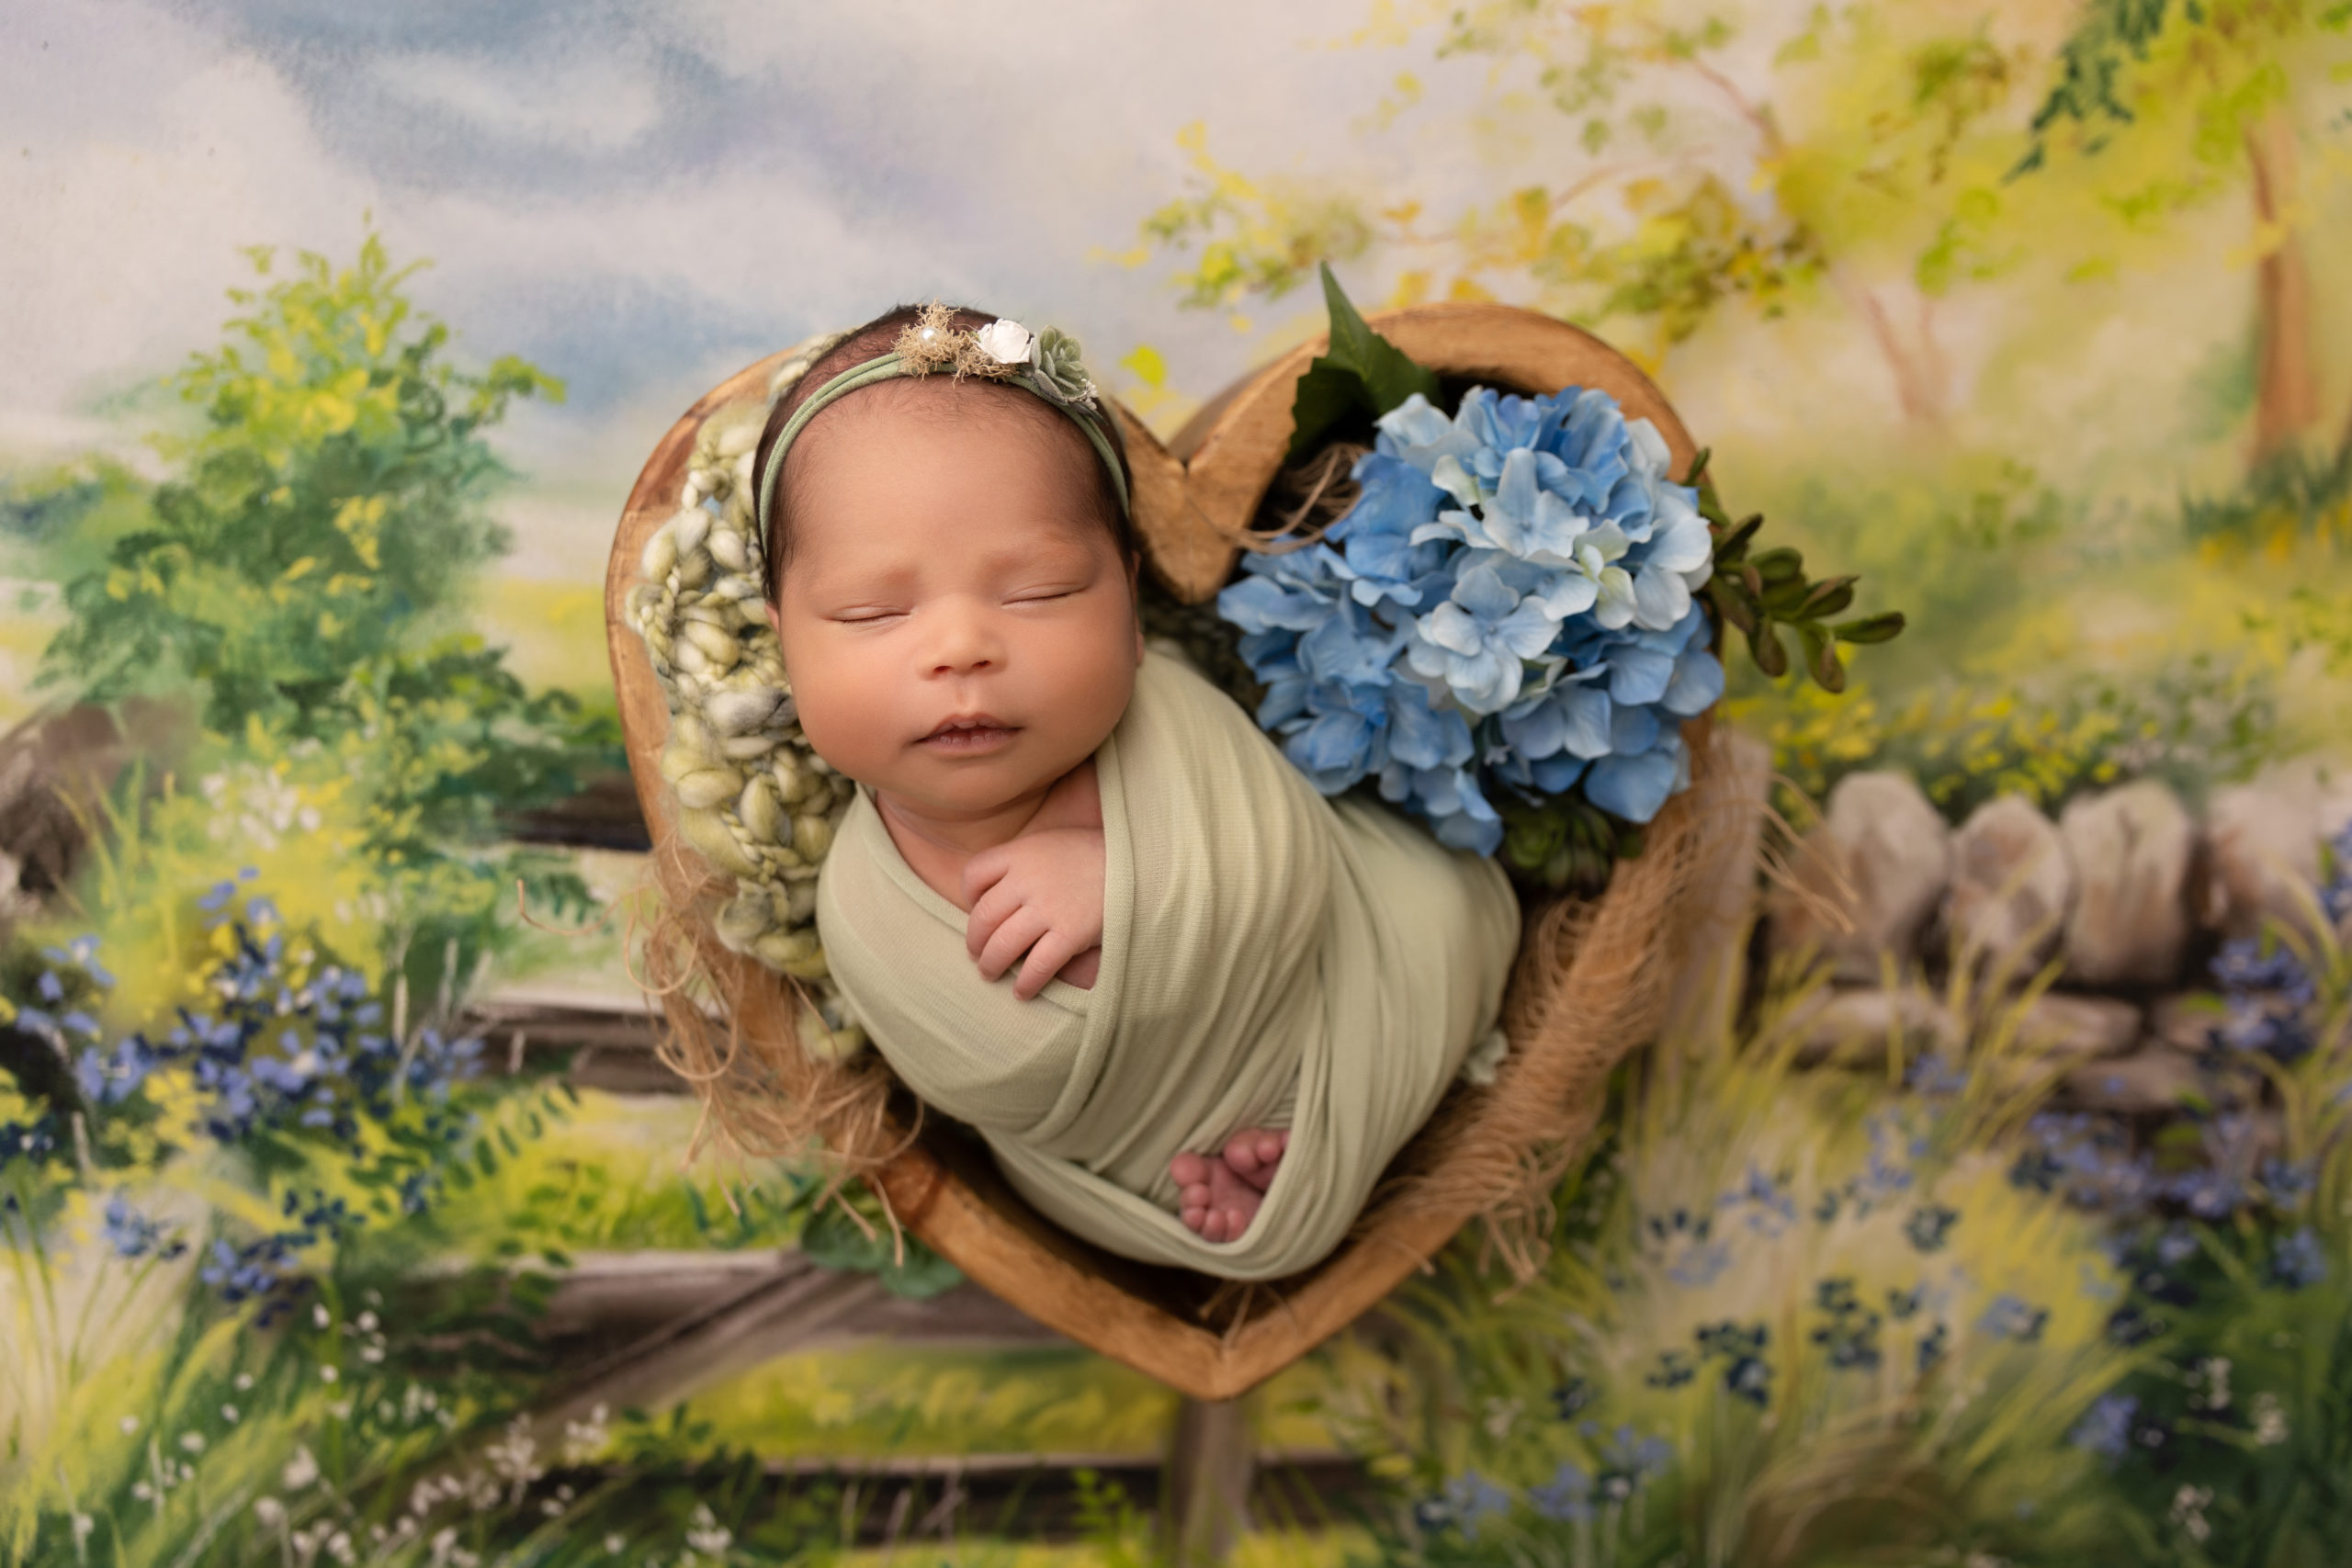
<point x="969" y="789"/>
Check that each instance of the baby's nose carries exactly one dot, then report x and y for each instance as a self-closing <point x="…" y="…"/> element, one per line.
<point x="965" y="641"/>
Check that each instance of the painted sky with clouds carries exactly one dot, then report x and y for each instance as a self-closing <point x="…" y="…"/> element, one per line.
<point x="642" y="197"/>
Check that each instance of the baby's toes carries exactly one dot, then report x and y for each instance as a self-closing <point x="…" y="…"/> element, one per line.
<point x="1188" y="1170"/>
<point x="1196" y="1218"/>
<point x="1242" y="1153"/>
<point x="1271" y="1146"/>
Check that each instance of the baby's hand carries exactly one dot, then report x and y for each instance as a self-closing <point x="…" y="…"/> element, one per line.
<point x="1039" y="894"/>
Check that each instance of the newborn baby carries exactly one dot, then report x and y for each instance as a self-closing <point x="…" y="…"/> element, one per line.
<point x="1181" y="971"/>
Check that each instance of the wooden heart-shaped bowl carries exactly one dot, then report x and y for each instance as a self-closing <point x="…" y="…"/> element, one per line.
<point x="1192" y="498"/>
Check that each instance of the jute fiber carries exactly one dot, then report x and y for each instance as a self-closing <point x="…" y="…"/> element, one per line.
<point x="1592" y="982"/>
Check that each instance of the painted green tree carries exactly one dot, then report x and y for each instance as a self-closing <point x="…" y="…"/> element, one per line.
<point x="300" y="580"/>
<point x="2171" y="107"/>
<point x="329" y="507"/>
<point x="1673" y="181"/>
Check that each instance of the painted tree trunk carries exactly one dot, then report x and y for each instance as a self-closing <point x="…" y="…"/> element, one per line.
<point x="1916" y="362"/>
<point x="2286" y="394"/>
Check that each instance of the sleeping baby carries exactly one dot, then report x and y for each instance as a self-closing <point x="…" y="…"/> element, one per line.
<point x="1082" y="902"/>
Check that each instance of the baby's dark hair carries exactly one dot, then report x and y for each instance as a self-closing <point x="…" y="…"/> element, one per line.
<point x="877" y="338"/>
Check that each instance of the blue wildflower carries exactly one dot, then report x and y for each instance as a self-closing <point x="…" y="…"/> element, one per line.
<point x="1746" y="1374"/>
<point x="1567" y="1498"/>
<point x="2286" y="1182"/>
<point x="2299" y="1260"/>
<point x="1472" y="1499"/>
<point x="1850" y="1334"/>
<point x="2106" y="1428"/>
<point x="1629" y="1463"/>
<point x="1928" y="1227"/>
<point x="2011" y="1318"/>
<point x="1569" y="1400"/>
<point x="1771" y="1207"/>
<point x="133" y="1235"/>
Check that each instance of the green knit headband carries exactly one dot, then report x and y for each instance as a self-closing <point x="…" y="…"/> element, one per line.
<point x="1045" y="364"/>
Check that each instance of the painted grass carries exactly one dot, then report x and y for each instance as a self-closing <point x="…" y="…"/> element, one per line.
<point x="876" y="1401"/>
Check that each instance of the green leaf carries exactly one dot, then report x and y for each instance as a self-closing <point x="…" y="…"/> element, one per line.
<point x="1828" y="598"/>
<point x="1871" y="628"/>
<point x="1360" y="371"/>
<point x="1327" y="396"/>
<point x="1821" y="656"/>
<point x="1780" y="566"/>
<point x="1764" y="646"/>
<point x="1732" y="603"/>
<point x="1734" y="546"/>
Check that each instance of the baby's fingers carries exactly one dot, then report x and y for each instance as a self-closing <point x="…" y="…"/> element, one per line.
<point x="1046" y="960"/>
<point x="1009" y="940"/>
<point x="988" y="912"/>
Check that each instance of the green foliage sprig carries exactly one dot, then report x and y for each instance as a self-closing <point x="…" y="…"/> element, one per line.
<point x="1761" y="594"/>
<point x="1361" y="373"/>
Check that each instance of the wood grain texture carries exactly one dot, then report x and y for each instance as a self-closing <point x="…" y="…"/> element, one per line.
<point x="1194" y="497"/>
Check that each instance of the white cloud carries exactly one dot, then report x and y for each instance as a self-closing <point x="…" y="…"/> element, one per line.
<point x="121" y="248"/>
<point x="569" y="101"/>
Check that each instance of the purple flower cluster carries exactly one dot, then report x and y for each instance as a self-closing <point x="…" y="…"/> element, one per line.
<point x="1624" y="1463"/>
<point x="277" y="1057"/>
<point x="1508" y="604"/>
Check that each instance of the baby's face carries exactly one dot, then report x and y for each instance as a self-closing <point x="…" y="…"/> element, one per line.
<point x="941" y="570"/>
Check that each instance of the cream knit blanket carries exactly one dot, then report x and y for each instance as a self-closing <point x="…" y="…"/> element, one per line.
<point x="1270" y="957"/>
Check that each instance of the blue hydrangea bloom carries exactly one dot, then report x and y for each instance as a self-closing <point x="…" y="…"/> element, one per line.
<point x="1509" y="605"/>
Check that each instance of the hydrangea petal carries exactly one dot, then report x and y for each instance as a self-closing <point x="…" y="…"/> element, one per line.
<point x="1660" y="597"/>
<point x="1588" y="713"/>
<point x="1631" y="787"/>
<point x="1698" y="683"/>
<point x="1632" y="730"/>
<point x="1637" y="674"/>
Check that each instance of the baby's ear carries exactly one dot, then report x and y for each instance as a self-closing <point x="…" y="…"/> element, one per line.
<point x="775" y="619"/>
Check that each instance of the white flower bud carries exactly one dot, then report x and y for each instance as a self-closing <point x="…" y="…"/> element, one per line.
<point x="1006" y="342"/>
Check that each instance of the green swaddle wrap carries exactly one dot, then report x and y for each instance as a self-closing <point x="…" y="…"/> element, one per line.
<point x="1270" y="957"/>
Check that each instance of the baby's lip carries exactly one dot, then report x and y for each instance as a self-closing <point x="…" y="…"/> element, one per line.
<point x="967" y="721"/>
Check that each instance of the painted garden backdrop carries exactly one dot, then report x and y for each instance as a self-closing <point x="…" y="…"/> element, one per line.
<point x="330" y="1149"/>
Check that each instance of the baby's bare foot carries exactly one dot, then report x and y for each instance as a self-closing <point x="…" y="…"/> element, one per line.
<point x="1211" y="1199"/>
<point x="1254" y="1152"/>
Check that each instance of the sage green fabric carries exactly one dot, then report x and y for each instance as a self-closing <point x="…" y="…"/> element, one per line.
<point x="1270" y="957"/>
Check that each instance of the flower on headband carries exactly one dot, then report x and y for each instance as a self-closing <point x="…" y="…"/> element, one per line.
<point x="1059" y="374"/>
<point x="1006" y="342"/>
